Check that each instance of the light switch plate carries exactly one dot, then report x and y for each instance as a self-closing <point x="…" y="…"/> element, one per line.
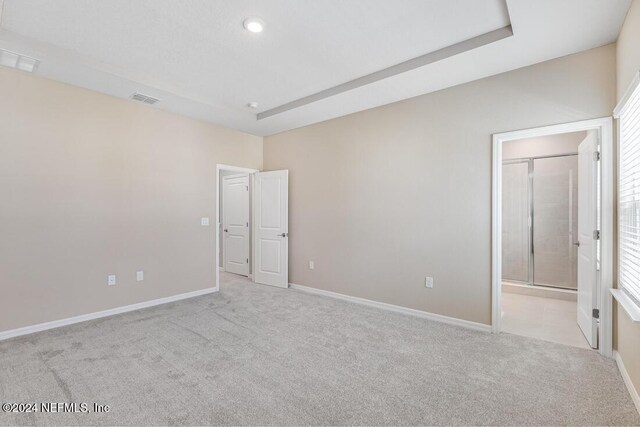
<point x="204" y="221"/>
<point x="428" y="282"/>
<point x="140" y="276"/>
<point x="111" y="280"/>
<point x="311" y="265"/>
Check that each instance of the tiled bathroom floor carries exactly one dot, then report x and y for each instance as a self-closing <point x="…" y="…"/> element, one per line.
<point x="548" y="319"/>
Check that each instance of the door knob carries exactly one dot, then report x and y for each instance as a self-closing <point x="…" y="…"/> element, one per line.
<point x="226" y="230"/>
<point x="577" y="244"/>
<point x="283" y="234"/>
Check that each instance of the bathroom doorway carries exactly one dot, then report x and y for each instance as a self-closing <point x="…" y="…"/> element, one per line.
<point x="550" y="235"/>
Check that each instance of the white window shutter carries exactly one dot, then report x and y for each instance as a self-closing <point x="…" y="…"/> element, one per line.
<point x="629" y="195"/>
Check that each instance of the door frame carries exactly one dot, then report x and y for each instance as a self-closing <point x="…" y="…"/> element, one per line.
<point x="222" y="167"/>
<point x="604" y="126"/>
<point x="531" y="162"/>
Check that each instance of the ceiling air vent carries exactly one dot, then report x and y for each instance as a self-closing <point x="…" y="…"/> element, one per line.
<point x="144" y="98"/>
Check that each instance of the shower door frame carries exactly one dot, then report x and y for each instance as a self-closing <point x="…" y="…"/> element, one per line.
<point x="529" y="163"/>
<point x="604" y="127"/>
<point x="531" y="224"/>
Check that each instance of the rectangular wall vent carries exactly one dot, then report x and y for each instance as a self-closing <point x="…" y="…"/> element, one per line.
<point x="18" y="60"/>
<point x="144" y="98"/>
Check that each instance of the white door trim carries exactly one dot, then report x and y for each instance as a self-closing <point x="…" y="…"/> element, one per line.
<point x="221" y="167"/>
<point x="604" y="126"/>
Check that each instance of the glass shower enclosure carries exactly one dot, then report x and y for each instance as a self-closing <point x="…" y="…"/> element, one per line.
<point x="540" y="221"/>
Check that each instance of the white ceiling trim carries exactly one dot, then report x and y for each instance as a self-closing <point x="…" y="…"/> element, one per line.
<point x="296" y="70"/>
<point x="394" y="70"/>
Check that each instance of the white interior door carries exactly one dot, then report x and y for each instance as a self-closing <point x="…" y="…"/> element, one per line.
<point x="271" y="228"/>
<point x="235" y="223"/>
<point x="587" y="237"/>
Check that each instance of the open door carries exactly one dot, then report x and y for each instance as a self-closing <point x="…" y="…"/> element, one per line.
<point x="271" y="229"/>
<point x="235" y="223"/>
<point x="588" y="235"/>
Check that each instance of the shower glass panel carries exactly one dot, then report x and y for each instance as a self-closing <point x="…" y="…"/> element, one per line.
<point x="555" y="221"/>
<point x="515" y="221"/>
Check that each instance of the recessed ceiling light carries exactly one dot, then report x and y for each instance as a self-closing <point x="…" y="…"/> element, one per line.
<point x="252" y="105"/>
<point x="18" y="60"/>
<point x="254" y="25"/>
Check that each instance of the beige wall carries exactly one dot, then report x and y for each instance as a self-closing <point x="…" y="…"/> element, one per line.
<point x="628" y="345"/>
<point x="628" y="48"/>
<point x="551" y="145"/>
<point x="410" y="184"/>
<point x="626" y="333"/>
<point x="93" y="185"/>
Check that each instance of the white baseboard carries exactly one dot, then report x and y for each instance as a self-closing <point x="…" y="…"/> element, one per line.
<point x="395" y="308"/>
<point x="627" y="380"/>
<point x="4" y="335"/>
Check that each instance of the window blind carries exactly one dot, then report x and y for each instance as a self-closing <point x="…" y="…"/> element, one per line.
<point x="629" y="196"/>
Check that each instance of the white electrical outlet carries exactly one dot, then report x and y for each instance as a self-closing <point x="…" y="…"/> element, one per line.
<point x="111" y="280"/>
<point x="311" y="265"/>
<point x="140" y="276"/>
<point x="428" y="282"/>
<point x="204" y="221"/>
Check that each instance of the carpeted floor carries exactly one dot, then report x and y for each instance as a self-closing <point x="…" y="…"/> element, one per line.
<point x="256" y="355"/>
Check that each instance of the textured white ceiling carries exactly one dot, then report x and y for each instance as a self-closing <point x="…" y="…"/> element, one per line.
<point x="196" y="57"/>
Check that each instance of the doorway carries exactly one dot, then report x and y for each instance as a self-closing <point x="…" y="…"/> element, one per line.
<point x="540" y="217"/>
<point x="552" y="222"/>
<point x="252" y="225"/>
<point x="233" y="246"/>
<point x="235" y="208"/>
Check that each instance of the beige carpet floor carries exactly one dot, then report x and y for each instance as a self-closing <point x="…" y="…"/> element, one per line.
<point x="256" y="355"/>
